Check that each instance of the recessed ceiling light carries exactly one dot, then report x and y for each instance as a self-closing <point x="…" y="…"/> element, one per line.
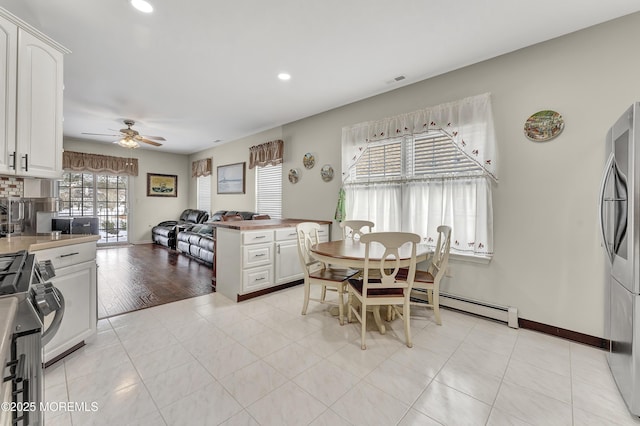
<point x="284" y="76"/>
<point x="142" y="6"/>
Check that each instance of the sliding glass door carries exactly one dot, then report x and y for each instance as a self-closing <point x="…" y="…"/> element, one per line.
<point x="97" y="195"/>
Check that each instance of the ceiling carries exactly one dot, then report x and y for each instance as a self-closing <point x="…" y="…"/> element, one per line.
<point x="206" y="70"/>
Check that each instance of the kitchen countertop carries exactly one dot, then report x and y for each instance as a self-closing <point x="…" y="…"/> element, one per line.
<point x="41" y="242"/>
<point x="244" y="225"/>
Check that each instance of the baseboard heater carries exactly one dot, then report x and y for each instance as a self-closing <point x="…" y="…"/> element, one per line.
<point x="505" y="314"/>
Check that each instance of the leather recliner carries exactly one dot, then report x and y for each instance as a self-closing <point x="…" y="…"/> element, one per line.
<point x="198" y="241"/>
<point x="165" y="232"/>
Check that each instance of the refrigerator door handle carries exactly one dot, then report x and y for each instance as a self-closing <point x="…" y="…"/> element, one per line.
<point x="601" y="205"/>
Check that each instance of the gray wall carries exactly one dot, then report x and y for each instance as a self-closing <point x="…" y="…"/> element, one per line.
<point x="230" y="153"/>
<point x="548" y="260"/>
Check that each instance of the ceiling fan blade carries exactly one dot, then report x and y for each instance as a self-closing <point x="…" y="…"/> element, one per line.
<point x="155" y="138"/>
<point x="99" y="134"/>
<point x="149" y="141"/>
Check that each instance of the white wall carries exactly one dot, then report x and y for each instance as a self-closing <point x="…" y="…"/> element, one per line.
<point x="548" y="261"/>
<point x="146" y="212"/>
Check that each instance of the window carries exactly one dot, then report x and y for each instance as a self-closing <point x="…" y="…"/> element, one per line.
<point x="99" y="195"/>
<point x="269" y="190"/>
<point x="203" y="186"/>
<point x="416" y="183"/>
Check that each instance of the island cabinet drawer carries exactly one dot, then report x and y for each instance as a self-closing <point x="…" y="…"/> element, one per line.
<point x="256" y="255"/>
<point x="257" y="237"/>
<point x="68" y="255"/>
<point x="285" y="234"/>
<point x="257" y="278"/>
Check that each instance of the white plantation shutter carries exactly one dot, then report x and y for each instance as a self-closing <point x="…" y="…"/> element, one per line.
<point x="204" y="193"/>
<point x="269" y="190"/>
<point x="380" y="162"/>
<point x="437" y="155"/>
<point x="431" y="155"/>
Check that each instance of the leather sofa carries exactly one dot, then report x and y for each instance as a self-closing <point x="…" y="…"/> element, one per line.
<point x="198" y="241"/>
<point x="164" y="233"/>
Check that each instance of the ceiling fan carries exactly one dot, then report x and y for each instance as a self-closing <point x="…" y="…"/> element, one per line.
<point x="130" y="138"/>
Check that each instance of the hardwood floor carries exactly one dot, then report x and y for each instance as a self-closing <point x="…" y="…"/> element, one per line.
<point x="144" y="275"/>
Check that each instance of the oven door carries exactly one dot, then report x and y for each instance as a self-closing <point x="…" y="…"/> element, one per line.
<point x="47" y="300"/>
<point x="25" y="366"/>
<point x="51" y="318"/>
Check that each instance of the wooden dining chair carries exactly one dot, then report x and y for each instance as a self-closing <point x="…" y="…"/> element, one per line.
<point x="385" y="287"/>
<point x="355" y="229"/>
<point x="317" y="272"/>
<point x="232" y="218"/>
<point x="429" y="281"/>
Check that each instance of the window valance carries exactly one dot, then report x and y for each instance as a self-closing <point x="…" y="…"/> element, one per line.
<point x="469" y="123"/>
<point x="201" y="168"/>
<point x="81" y="161"/>
<point x="268" y="153"/>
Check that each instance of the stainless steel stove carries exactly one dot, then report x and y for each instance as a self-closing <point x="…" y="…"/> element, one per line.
<point x="24" y="279"/>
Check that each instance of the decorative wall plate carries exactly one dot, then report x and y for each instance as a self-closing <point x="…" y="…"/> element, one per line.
<point x="294" y="176"/>
<point x="543" y="125"/>
<point x="309" y="160"/>
<point x="326" y="172"/>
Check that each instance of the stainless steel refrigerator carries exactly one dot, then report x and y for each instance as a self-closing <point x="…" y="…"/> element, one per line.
<point x="619" y="212"/>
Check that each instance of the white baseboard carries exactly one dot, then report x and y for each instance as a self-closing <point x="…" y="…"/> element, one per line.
<point x="501" y="313"/>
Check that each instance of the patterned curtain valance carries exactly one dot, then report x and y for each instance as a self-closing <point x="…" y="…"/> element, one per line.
<point x="268" y="153"/>
<point x="469" y="123"/>
<point x="201" y="168"/>
<point x="81" y="162"/>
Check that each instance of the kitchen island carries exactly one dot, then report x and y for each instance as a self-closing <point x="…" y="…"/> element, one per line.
<point x="74" y="260"/>
<point x="255" y="257"/>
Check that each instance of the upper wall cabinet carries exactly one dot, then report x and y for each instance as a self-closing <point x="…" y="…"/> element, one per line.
<point x="31" y="89"/>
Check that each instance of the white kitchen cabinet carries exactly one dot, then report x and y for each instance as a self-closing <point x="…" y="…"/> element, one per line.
<point x="287" y="266"/>
<point x="252" y="260"/>
<point x="31" y="91"/>
<point x="76" y="277"/>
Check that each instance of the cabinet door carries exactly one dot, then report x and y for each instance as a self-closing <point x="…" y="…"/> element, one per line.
<point x="287" y="262"/>
<point x="39" y="116"/>
<point x="78" y="286"/>
<point x="8" y="67"/>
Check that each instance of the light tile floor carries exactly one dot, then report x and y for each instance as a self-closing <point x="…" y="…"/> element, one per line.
<point x="209" y="361"/>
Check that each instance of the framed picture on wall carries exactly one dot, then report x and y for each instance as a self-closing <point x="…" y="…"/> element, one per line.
<point x="231" y="179"/>
<point x="162" y="185"/>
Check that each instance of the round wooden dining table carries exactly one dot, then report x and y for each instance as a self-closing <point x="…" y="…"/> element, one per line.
<point x="351" y="254"/>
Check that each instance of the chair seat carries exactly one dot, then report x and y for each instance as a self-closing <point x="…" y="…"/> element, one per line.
<point x="332" y="274"/>
<point x="375" y="292"/>
<point x="421" y="276"/>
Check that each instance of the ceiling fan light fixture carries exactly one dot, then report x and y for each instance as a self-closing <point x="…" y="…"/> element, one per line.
<point x="142" y="6"/>
<point x="128" y="143"/>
